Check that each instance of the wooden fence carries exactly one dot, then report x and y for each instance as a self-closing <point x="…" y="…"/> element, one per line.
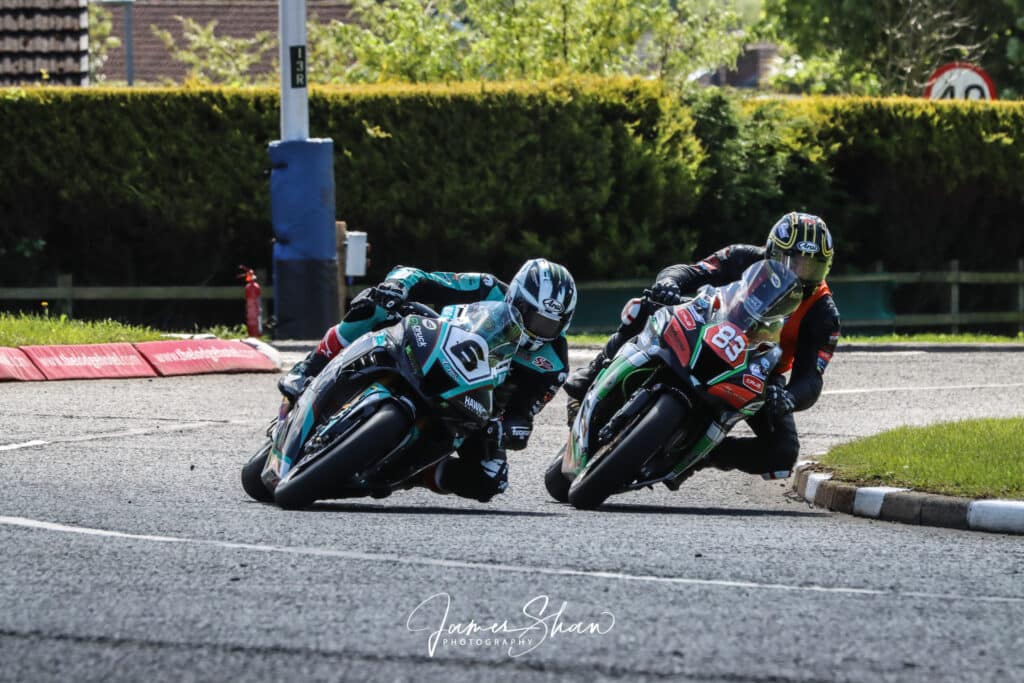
<point x="600" y="301"/>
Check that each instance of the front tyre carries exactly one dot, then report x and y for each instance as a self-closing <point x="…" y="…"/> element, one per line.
<point x="554" y="481"/>
<point x="252" y="482"/>
<point x="616" y="468"/>
<point x="381" y="433"/>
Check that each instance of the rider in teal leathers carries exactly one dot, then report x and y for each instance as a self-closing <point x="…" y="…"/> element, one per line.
<point x="544" y="295"/>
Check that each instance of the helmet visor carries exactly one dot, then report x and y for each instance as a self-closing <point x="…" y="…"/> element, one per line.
<point x="807" y="268"/>
<point x="540" y="326"/>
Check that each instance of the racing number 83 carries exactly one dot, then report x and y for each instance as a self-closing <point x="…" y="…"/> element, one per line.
<point x="730" y="341"/>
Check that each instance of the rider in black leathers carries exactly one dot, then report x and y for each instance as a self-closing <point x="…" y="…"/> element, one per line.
<point x="803" y="243"/>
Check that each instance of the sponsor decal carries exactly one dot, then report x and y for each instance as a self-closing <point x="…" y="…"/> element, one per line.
<point x="833" y="339"/>
<point x="553" y="306"/>
<point x="782" y="229"/>
<point x="686" y="318"/>
<point x="823" y="359"/>
<point x="417" y="333"/>
<point x="757" y="371"/>
<point x="809" y="247"/>
<point x="776" y="282"/>
<point x="488" y="281"/>
<point x="474" y="405"/>
<point x="753" y="383"/>
<point x="543" y="363"/>
<point x="429" y="324"/>
<point x="562" y="376"/>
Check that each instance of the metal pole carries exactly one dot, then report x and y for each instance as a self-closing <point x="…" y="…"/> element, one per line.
<point x="294" y="90"/>
<point x="954" y="294"/>
<point x="1020" y="296"/>
<point x="129" y="52"/>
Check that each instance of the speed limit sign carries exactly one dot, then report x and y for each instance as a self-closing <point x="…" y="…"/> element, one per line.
<point x="960" y="81"/>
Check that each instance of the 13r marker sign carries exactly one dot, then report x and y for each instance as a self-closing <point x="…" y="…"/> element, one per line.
<point x="960" y="81"/>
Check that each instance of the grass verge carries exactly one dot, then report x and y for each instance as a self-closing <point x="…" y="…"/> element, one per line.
<point x="32" y="330"/>
<point x="971" y="458"/>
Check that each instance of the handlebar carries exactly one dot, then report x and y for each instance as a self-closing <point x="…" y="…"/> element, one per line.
<point x="416" y="307"/>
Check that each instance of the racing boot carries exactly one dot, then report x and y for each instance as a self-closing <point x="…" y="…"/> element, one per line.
<point x="292" y="384"/>
<point x="578" y="383"/>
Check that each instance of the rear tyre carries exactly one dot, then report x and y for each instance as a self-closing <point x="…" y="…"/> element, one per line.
<point x="554" y="481"/>
<point x="367" y="443"/>
<point x="619" y="465"/>
<point x="252" y="482"/>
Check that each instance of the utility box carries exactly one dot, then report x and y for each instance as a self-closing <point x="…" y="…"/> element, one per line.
<point x="355" y="254"/>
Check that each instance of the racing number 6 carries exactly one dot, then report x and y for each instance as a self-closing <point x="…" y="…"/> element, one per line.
<point x="727" y="340"/>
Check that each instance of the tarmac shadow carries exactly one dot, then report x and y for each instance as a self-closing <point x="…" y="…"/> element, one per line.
<point x="330" y="506"/>
<point x="705" y="511"/>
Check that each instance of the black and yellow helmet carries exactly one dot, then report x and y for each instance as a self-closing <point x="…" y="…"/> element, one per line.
<point x="802" y="242"/>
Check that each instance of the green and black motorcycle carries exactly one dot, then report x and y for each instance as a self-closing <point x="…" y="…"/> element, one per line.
<point x="672" y="393"/>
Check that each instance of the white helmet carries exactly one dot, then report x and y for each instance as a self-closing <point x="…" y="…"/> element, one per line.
<point x="544" y="293"/>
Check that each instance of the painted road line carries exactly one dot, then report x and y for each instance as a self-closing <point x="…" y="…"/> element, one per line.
<point x="944" y="387"/>
<point x="413" y="560"/>
<point x="185" y="426"/>
<point x="26" y="444"/>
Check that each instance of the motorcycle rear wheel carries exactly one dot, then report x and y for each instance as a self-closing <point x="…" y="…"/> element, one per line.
<point x="252" y="482"/>
<point x="370" y="441"/>
<point x="619" y="465"/>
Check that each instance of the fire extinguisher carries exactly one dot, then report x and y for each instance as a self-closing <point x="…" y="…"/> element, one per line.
<point x="253" y="305"/>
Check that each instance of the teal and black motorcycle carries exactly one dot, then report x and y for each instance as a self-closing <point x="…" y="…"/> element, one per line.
<point x="395" y="402"/>
<point x="672" y="393"/>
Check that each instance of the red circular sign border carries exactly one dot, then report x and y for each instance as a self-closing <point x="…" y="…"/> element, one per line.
<point x="960" y="65"/>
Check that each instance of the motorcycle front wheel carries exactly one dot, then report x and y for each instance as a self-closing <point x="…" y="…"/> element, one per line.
<point x="610" y="471"/>
<point x="319" y="475"/>
<point x="252" y="482"/>
<point x="554" y="481"/>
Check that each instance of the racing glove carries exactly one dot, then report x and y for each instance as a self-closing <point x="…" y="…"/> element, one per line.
<point x="665" y="292"/>
<point x="778" y="402"/>
<point x="388" y="294"/>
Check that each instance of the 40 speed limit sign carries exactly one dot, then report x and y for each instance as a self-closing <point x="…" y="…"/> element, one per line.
<point x="960" y="81"/>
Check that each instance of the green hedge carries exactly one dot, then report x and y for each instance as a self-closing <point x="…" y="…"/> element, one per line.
<point x="157" y="186"/>
<point x="613" y="178"/>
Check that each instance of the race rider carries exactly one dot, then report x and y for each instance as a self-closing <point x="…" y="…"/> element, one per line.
<point x="543" y="293"/>
<point x="802" y="242"/>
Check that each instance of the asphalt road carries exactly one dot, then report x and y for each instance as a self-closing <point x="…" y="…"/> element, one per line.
<point x="130" y="552"/>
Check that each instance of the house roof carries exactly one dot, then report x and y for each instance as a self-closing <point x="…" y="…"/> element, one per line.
<point x="237" y="18"/>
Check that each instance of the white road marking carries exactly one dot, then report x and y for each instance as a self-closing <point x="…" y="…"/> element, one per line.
<point x="26" y="444"/>
<point x="943" y="387"/>
<point x="140" y="431"/>
<point x="27" y="523"/>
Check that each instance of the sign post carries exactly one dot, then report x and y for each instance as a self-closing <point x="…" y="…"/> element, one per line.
<point x="960" y="81"/>
<point x="301" y="197"/>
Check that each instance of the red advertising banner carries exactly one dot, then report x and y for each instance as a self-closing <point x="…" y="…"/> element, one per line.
<point x="15" y="365"/>
<point x="197" y="356"/>
<point x="89" y="361"/>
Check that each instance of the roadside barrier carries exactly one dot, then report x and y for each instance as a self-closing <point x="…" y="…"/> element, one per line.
<point x="146" y="359"/>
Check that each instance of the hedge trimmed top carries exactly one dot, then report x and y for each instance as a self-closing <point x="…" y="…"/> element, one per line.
<point x="614" y="178"/>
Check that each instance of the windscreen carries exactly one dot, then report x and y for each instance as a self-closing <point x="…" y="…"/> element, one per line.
<point x="760" y="300"/>
<point x="498" y="323"/>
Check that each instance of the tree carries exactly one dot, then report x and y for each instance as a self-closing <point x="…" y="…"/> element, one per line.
<point x="899" y="42"/>
<point x="456" y="40"/>
<point x="222" y="60"/>
<point x="100" y="41"/>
